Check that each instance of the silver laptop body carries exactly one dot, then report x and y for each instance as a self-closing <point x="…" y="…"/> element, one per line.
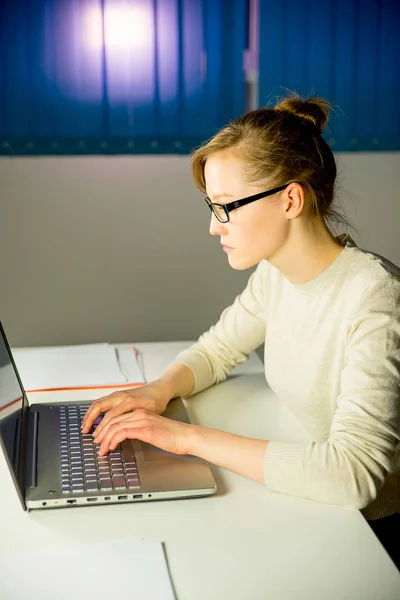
<point x="43" y="450"/>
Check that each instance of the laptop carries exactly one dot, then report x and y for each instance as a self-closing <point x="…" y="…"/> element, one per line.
<point x="54" y="465"/>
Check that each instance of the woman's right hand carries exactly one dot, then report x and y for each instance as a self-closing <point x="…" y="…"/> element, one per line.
<point x="151" y="397"/>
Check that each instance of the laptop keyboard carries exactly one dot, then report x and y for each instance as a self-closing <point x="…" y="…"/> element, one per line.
<point x="82" y="469"/>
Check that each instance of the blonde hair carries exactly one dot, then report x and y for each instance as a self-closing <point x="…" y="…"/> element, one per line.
<point x="279" y="145"/>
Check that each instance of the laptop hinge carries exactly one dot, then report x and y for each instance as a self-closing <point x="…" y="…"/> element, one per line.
<point x="32" y="445"/>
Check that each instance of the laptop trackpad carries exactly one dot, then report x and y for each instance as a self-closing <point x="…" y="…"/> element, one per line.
<point x="151" y="453"/>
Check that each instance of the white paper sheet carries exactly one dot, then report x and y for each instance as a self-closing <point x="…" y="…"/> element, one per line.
<point x="85" y="365"/>
<point x="127" y="568"/>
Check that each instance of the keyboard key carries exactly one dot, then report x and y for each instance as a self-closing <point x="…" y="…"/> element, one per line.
<point x="104" y="473"/>
<point x="77" y="473"/>
<point x="118" y="472"/>
<point x="92" y="486"/>
<point x="106" y="484"/>
<point x="76" y="482"/>
<point x="119" y="482"/>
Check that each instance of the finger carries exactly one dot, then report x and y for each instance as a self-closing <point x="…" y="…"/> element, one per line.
<point x="99" y="435"/>
<point x="124" y="407"/>
<point x="131" y="419"/>
<point x="114" y="429"/>
<point x="95" y="409"/>
<point x="138" y="432"/>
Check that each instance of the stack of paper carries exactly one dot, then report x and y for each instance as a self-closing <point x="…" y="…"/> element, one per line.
<point x="126" y="568"/>
<point x="83" y="366"/>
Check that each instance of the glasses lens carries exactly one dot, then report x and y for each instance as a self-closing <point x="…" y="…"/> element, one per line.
<point x="220" y="213"/>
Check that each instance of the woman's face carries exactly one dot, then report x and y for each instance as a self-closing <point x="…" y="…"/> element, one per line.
<point x="255" y="231"/>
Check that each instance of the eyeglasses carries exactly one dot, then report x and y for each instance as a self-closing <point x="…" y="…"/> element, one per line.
<point x="221" y="211"/>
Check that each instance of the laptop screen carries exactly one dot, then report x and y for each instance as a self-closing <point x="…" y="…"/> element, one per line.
<point x="12" y="415"/>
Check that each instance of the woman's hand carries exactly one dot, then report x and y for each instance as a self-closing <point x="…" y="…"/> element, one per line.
<point x="150" y="397"/>
<point x="167" y="434"/>
<point x="239" y="454"/>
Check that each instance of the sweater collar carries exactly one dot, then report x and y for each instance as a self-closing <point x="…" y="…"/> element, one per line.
<point x="322" y="280"/>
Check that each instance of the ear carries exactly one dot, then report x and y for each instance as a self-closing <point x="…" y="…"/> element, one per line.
<point x="295" y="200"/>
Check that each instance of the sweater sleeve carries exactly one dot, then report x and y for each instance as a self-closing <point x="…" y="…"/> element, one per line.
<point x="350" y="467"/>
<point x="240" y="329"/>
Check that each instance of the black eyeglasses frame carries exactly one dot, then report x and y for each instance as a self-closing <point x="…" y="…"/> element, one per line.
<point x="227" y="208"/>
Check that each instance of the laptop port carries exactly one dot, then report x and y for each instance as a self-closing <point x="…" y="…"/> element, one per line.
<point x="107" y="498"/>
<point x="122" y="497"/>
<point x="135" y="496"/>
<point x="71" y="501"/>
<point x="91" y="499"/>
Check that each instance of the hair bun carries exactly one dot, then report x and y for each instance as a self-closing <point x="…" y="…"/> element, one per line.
<point x="312" y="111"/>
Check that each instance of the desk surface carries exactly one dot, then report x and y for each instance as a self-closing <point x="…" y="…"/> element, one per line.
<point x="243" y="543"/>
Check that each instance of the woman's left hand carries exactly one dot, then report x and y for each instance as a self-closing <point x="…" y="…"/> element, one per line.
<point x="167" y="434"/>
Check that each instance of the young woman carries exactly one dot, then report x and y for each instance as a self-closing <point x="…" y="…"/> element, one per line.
<point x="328" y="312"/>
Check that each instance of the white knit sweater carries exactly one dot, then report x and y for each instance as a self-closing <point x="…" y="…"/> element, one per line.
<point x="332" y="354"/>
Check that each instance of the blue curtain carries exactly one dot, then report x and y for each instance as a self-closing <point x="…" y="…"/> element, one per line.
<point x="118" y="76"/>
<point x="345" y="50"/>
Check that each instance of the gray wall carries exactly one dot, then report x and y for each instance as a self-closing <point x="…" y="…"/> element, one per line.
<point x="117" y="248"/>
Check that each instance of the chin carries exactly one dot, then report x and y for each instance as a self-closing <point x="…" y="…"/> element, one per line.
<point x="242" y="263"/>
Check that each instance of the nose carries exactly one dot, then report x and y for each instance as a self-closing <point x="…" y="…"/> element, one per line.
<point x="216" y="227"/>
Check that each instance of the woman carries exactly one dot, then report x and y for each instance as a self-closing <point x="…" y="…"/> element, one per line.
<point x="328" y="312"/>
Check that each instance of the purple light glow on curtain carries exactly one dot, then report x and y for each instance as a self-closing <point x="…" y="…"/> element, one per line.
<point x="127" y="32"/>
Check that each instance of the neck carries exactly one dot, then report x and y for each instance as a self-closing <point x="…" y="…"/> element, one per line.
<point x="309" y="249"/>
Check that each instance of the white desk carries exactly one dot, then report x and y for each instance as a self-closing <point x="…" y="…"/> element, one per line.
<point x="244" y="543"/>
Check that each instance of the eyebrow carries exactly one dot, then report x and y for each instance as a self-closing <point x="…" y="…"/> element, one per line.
<point x="219" y="196"/>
